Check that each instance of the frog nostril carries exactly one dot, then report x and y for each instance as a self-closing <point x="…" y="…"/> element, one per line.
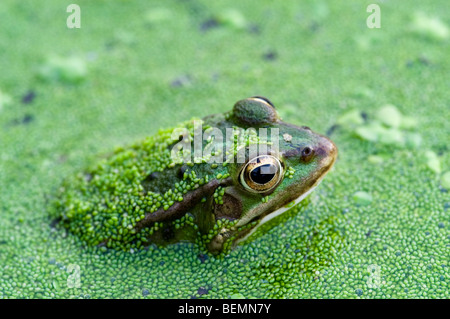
<point x="307" y="153"/>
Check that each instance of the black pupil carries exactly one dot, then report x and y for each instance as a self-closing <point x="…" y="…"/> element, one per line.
<point x="306" y="151"/>
<point x="263" y="174"/>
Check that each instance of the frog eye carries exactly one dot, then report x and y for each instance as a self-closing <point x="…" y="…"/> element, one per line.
<point x="263" y="99"/>
<point x="255" y="111"/>
<point x="261" y="174"/>
<point x="307" y="154"/>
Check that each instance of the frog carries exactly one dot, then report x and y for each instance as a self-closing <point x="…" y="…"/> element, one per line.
<point x="211" y="181"/>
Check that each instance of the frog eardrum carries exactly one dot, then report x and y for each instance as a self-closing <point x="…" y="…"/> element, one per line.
<point x="141" y="196"/>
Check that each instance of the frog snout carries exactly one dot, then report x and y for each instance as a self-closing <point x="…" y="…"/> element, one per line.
<point x="328" y="151"/>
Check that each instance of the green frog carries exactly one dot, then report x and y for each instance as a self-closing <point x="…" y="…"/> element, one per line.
<point x="211" y="181"/>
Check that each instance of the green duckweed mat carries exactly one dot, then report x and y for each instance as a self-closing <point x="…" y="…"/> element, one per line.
<point x="378" y="225"/>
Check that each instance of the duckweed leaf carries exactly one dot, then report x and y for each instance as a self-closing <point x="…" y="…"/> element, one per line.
<point x="445" y="180"/>
<point x="389" y="115"/>
<point x="431" y="27"/>
<point x="433" y="161"/>
<point x="391" y="136"/>
<point x="232" y="18"/>
<point x="413" y="140"/>
<point x="4" y="99"/>
<point x="385" y="128"/>
<point x="375" y="159"/>
<point x="70" y="70"/>
<point x="362" y="198"/>
<point x="349" y="118"/>
<point x="370" y="132"/>
<point x="408" y="122"/>
<point x="158" y="15"/>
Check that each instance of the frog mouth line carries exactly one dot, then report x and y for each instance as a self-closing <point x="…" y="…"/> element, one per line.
<point x="264" y="219"/>
<point x="278" y="212"/>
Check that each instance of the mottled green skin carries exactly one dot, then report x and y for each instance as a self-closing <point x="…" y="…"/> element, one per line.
<point x="141" y="195"/>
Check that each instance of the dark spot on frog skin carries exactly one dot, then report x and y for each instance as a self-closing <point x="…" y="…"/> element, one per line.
<point x="369" y="233"/>
<point x="209" y="24"/>
<point x="181" y="171"/>
<point x="230" y="209"/>
<point x="150" y="177"/>
<point x="320" y="151"/>
<point x="202" y="257"/>
<point x="153" y="176"/>
<point x="168" y="233"/>
<point x="270" y="56"/>
<point x="28" y="97"/>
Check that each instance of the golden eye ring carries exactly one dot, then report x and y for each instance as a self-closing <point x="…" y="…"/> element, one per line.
<point x="261" y="174"/>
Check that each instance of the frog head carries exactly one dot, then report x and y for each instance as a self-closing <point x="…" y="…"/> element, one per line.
<point x="140" y="195"/>
<point x="264" y="186"/>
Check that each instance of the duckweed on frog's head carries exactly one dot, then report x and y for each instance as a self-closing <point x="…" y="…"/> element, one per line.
<point x="249" y="167"/>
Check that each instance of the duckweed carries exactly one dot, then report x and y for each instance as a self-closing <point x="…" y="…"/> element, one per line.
<point x="362" y="198"/>
<point x="70" y="69"/>
<point x="4" y="99"/>
<point x="445" y="180"/>
<point x="327" y="247"/>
